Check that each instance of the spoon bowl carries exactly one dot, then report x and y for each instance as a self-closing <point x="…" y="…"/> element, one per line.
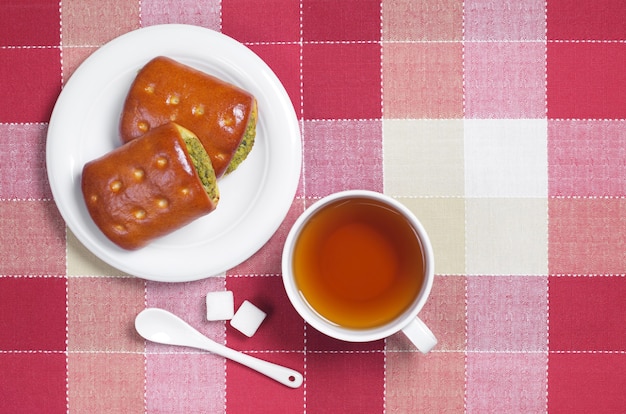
<point x="161" y="326"/>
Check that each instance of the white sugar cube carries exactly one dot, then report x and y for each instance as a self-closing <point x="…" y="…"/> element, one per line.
<point x="220" y="305"/>
<point x="247" y="318"/>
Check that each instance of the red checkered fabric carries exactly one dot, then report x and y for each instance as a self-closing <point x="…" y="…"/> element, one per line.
<point x="502" y="125"/>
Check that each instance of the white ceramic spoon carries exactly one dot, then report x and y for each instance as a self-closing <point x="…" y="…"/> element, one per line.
<point x="158" y="325"/>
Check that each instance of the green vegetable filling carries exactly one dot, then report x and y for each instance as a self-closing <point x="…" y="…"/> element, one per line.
<point x="202" y="163"/>
<point x="246" y="143"/>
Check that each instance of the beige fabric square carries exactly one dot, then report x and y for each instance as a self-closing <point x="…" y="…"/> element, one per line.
<point x="81" y="262"/>
<point x="507" y="236"/>
<point x="444" y="221"/>
<point x="423" y="157"/>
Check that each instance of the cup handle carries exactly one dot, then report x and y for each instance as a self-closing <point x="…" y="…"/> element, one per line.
<point x="421" y="336"/>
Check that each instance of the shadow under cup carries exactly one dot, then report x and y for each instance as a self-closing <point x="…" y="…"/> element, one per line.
<point x="358" y="266"/>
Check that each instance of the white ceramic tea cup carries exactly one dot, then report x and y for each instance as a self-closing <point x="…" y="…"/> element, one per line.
<point x="408" y="322"/>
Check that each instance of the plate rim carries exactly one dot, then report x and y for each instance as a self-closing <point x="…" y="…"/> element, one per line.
<point x="267" y="78"/>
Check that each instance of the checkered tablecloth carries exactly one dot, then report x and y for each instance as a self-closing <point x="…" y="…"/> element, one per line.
<point x="501" y="124"/>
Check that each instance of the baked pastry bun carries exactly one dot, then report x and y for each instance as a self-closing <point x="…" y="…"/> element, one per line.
<point x="150" y="186"/>
<point x="222" y="115"/>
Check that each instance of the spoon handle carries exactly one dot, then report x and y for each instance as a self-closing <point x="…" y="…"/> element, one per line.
<point x="284" y="375"/>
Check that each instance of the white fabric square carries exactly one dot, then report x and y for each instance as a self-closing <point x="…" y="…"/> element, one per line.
<point x="506" y="157"/>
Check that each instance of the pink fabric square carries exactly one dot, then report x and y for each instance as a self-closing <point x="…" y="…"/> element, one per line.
<point x="73" y="57"/>
<point x="28" y="225"/>
<point x="587" y="236"/>
<point x="506" y="383"/>
<point x="342" y="155"/>
<point x="576" y="90"/>
<point x="355" y="386"/>
<point x="319" y="342"/>
<point x="505" y="80"/>
<point x="105" y="383"/>
<point x="586" y="158"/>
<point x="188" y="301"/>
<point x="505" y="20"/>
<point x="23" y="147"/>
<point x="284" y="60"/>
<point x="280" y="339"/>
<point x="586" y="313"/>
<point x="408" y="20"/>
<point x="33" y="382"/>
<point x="193" y="382"/>
<point x="247" y="391"/>
<point x="433" y="383"/>
<point x="101" y="312"/>
<point x="30" y="81"/>
<point x="330" y="20"/>
<point x="444" y="313"/>
<point x="432" y="87"/>
<point x="261" y="21"/>
<point x="204" y="13"/>
<point x="341" y="80"/>
<point x="267" y="261"/>
<point x="94" y="22"/>
<point x="507" y="313"/>
<point x="281" y="330"/>
<point x="33" y="23"/>
<point x="586" y="383"/>
<point x="32" y="313"/>
<point x="586" y="20"/>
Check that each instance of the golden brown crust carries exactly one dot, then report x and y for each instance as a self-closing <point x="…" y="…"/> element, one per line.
<point x="144" y="189"/>
<point x="165" y="90"/>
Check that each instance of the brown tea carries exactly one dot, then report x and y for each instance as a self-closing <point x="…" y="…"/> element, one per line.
<point x="358" y="263"/>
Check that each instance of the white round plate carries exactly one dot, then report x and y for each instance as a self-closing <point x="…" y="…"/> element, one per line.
<point x="254" y="199"/>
